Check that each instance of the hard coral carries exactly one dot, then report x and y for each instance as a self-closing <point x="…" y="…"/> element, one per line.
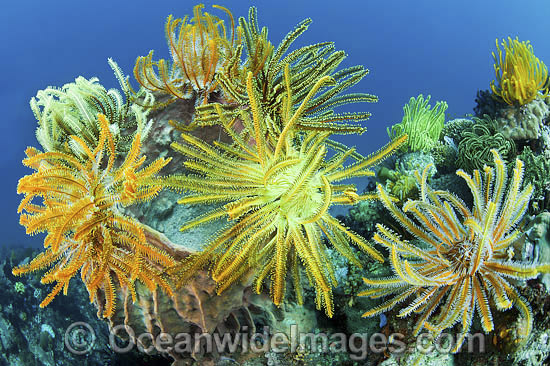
<point x="520" y="75"/>
<point x="464" y="259"/>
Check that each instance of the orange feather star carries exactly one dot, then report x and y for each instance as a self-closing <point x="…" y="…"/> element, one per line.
<point x="78" y="208"/>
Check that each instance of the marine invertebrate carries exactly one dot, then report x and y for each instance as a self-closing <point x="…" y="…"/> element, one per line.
<point x="463" y="258"/>
<point x="198" y="49"/>
<point x="307" y="65"/>
<point x="453" y="129"/>
<point x="536" y="173"/>
<point x="525" y="123"/>
<point x="19" y="287"/>
<point x="520" y="75"/>
<point x="73" y="110"/>
<point x="421" y="123"/>
<point x="474" y="149"/>
<point x="197" y="310"/>
<point x="400" y="185"/>
<point x="77" y="205"/>
<point x="276" y="193"/>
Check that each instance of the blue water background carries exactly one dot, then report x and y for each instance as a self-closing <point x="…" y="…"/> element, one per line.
<point x="442" y="48"/>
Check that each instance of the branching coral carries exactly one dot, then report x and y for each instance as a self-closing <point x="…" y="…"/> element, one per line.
<point x="277" y="192"/>
<point x="520" y="75"/>
<point x="73" y="110"/>
<point x="421" y="123"/>
<point x="464" y="259"/>
<point x="307" y="65"/>
<point x="78" y="206"/>
<point x="198" y="49"/>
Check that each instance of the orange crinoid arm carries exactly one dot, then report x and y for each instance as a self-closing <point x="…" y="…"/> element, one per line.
<point x="77" y="200"/>
<point x="199" y="47"/>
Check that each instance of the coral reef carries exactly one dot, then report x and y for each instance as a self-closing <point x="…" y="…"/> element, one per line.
<point x="193" y="309"/>
<point x="400" y="181"/>
<point x="536" y="173"/>
<point x="400" y="185"/>
<point x="445" y="151"/>
<point x="30" y="335"/>
<point x="524" y="123"/>
<point x="518" y="123"/>
<point x="277" y="194"/>
<point x="242" y="131"/>
<point x="453" y="129"/>
<point x="364" y="215"/>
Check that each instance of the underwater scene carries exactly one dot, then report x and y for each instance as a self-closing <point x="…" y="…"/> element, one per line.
<point x="194" y="184"/>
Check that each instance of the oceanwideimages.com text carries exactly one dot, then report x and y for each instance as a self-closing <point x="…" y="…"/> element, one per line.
<point x="80" y="339"/>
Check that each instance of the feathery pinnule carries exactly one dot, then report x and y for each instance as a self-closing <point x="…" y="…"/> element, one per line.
<point x="519" y="74"/>
<point x="462" y="259"/>
<point x="307" y="64"/>
<point x="79" y="211"/>
<point x="199" y="48"/>
<point x="276" y="194"/>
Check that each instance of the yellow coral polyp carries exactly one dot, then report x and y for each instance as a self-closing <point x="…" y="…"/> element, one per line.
<point x="520" y="75"/>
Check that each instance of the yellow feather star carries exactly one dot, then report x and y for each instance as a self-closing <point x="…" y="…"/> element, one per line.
<point x="85" y="230"/>
<point x="464" y="260"/>
<point x="519" y="74"/>
<point x="277" y="187"/>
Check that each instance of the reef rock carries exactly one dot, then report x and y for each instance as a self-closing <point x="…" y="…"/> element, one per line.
<point x="196" y="312"/>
